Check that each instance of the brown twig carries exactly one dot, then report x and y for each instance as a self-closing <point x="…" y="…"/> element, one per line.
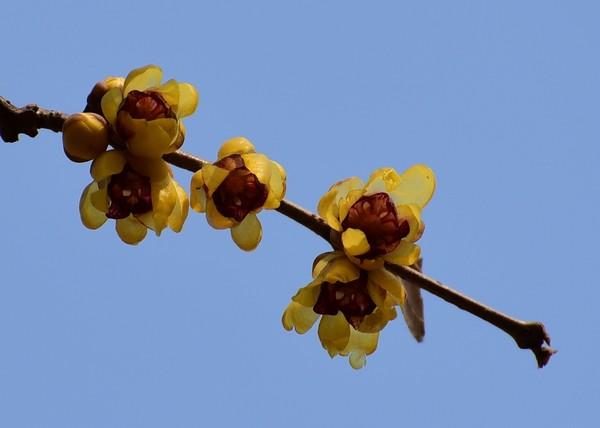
<point x="528" y="335"/>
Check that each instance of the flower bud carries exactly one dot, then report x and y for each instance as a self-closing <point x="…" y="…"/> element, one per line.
<point x="98" y="91"/>
<point x="85" y="136"/>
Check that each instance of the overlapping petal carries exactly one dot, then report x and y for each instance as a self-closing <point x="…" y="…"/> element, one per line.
<point x="234" y="189"/>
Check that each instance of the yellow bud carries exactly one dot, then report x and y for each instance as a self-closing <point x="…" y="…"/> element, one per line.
<point x="85" y="136"/>
<point x="98" y="91"/>
<point x="237" y="145"/>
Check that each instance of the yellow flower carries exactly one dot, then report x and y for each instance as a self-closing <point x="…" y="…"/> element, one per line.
<point x="380" y="221"/>
<point x="145" y="115"/>
<point x="354" y="305"/>
<point x="140" y="194"/>
<point x="235" y="188"/>
<point x="85" y="136"/>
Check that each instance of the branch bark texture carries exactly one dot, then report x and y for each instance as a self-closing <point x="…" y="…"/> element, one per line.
<point x="528" y="335"/>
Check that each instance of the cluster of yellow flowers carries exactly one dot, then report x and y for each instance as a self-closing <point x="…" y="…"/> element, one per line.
<point x="377" y="222"/>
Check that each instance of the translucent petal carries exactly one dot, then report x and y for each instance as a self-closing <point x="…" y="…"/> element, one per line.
<point x="248" y="233"/>
<point x="180" y="212"/>
<point x="110" y="103"/>
<point x="355" y="242"/>
<point x="412" y="214"/>
<point x="215" y="218"/>
<point x="346" y="203"/>
<point x="90" y="216"/>
<point x="389" y="282"/>
<point x="107" y="164"/>
<point x="405" y="254"/>
<point x="213" y="177"/>
<point x="383" y="180"/>
<point x="334" y="333"/>
<point x="142" y="78"/>
<point x="416" y="186"/>
<point x="197" y="193"/>
<point x="298" y="317"/>
<point x="130" y="230"/>
<point x="188" y="99"/>
<point x="164" y="198"/>
<point x="259" y="165"/>
<point x="307" y="296"/>
<point x="155" y="169"/>
<point x="149" y="139"/>
<point x="276" y="187"/>
<point x="170" y="93"/>
<point x="237" y="145"/>
<point x="323" y="260"/>
<point x="339" y="270"/>
<point x="328" y="207"/>
<point x="99" y="199"/>
<point x="357" y="360"/>
<point x="359" y="346"/>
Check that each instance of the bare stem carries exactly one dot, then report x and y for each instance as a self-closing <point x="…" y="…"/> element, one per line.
<point x="527" y="335"/>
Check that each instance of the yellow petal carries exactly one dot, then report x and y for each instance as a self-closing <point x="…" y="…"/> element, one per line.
<point x="99" y="199"/>
<point x="111" y="101"/>
<point x="107" y="164"/>
<point x="346" y="203"/>
<point x="164" y="198"/>
<point x="308" y="296"/>
<point x="90" y="216"/>
<point x="339" y="270"/>
<point x="405" y="254"/>
<point x="197" y="193"/>
<point x="170" y="93"/>
<point x="142" y="78"/>
<point x="411" y="214"/>
<point x="323" y="260"/>
<point x="259" y="165"/>
<point x="155" y="169"/>
<point x="130" y="230"/>
<point x="389" y="282"/>
<point x="334" y="333"/>
<point x="188" y="100"/>
<point x="416" y="186"/>
<point x="298" y="317"/>
<point x="213" y="177"/>
<point x="355" y="242"/>
<point x="180" y="212"/>
<point x="328" y="207"/>
<point x="149" y="139"/>
<point x="215" y="218"/>
<point x="248" y="233"/>
<point x="233" y="146"/>
<point x="359" y="346"/>
<point x="276" y="187"/>
<point x="383" y="180"/>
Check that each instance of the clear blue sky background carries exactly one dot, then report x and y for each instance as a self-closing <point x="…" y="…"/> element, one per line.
<point x="499" y="98"/>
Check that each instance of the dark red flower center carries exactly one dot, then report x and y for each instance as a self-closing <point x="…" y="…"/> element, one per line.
<point x="241" y="192"/>
<point x="376" y="216"/>
<point x="351" y="298"/>
<point x="129" y="193"/>
<point x="147" y="105"/>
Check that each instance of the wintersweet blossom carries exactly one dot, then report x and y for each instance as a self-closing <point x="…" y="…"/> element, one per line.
<point x="140" y="194"/>
<point x="145" y="114"/>
<point x="235" y="188"/>
<point x="354" y="305"/>
<point x="85" y="136"/>
<point x="380" y="221"/>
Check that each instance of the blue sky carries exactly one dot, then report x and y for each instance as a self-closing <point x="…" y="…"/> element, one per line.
<point x="499" y="98"/>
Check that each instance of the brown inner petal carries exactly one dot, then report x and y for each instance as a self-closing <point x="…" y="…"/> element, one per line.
<point x="129" y="193"/>
<point x="241" y="192"/>
<point x="147" y="105"/>
<point x="376" y="216"/>
<point x="351" y="298"/>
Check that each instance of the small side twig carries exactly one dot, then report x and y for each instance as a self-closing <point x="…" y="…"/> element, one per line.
<point x="527" y="335"/>
<point x="27" y="120"/>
